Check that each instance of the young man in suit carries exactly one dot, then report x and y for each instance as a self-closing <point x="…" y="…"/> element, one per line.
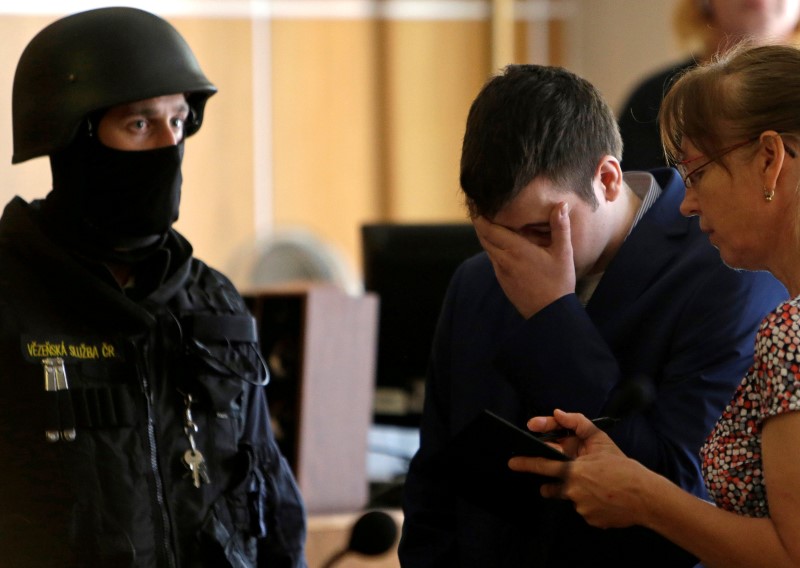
<point x="592" y="286"/>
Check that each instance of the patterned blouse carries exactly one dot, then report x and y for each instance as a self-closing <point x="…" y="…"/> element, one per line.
<point x="731" y="456"/>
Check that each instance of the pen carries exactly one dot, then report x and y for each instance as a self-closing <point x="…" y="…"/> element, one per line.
<point x="60" y="417"/>
<point x="604" y="423"/>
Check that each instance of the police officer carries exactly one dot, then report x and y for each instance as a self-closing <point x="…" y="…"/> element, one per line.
<point x="134" y="429"/>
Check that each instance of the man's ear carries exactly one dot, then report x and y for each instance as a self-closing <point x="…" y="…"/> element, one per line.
<point x="609" y="174"/>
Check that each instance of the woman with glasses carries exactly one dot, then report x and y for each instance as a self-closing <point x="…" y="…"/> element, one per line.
<point x="733" y="128"/>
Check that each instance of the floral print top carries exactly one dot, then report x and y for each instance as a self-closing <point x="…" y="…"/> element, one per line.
<point x="731" y="456"/>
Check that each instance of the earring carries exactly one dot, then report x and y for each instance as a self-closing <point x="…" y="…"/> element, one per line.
<point x="769" y="194"/>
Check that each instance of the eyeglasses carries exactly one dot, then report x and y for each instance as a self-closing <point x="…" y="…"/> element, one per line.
<point x="687" y="176"/>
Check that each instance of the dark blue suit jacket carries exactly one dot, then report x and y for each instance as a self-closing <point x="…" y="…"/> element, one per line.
<point x="666" y="308"/>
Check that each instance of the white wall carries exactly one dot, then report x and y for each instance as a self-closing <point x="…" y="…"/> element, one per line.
<point x="614" y="43"/>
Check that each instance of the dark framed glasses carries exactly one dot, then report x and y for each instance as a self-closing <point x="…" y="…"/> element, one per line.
<point x="687" y="174"/>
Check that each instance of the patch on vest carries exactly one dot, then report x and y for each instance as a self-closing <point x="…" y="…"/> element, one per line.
<point x="70" y="349"/>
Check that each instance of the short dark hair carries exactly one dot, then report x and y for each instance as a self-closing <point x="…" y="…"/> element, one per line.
<point x="533" y="121"/>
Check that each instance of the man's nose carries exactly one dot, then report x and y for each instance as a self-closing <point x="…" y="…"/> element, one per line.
<point x="169" y="135"/>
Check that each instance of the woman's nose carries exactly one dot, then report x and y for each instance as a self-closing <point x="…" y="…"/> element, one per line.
<point x="689" y="206"/>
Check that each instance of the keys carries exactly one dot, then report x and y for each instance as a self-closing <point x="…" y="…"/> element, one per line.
<point x="192" y="458"/>
<point x="196" y="463"/>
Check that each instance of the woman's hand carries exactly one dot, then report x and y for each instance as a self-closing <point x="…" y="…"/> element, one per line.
<point x="608" y="489"/>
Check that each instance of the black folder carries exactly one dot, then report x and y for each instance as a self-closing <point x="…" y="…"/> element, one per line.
<point x="475" y="461"/>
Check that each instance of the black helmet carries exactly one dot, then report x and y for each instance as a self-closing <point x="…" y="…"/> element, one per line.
<point x="94" y="60"/>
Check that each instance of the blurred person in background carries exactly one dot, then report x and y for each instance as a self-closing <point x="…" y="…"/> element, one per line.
<point x="707" y="27"/>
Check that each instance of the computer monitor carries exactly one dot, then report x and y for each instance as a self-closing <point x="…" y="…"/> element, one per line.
<point x="409" y="266"/>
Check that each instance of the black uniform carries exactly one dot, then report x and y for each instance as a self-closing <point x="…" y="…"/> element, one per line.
<point x="172" y="361"/>
<point x="638" y="120"/>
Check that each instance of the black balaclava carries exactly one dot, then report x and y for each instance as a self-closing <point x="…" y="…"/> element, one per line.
<point x="113" y="205"/>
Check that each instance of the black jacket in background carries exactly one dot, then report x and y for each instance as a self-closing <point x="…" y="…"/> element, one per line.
<point x="638" y="120"/>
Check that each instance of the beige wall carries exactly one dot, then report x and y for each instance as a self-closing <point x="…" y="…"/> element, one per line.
<point x="218" y="197"/>
<point x="363" y="111"/>
<point x="29" y="179"/>
<point x="615" y="42"/>
<point x="326" y="127"/>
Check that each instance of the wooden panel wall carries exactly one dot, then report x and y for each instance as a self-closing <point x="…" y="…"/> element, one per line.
<point x="365" y="120"/>
<point x="326" y="127"/>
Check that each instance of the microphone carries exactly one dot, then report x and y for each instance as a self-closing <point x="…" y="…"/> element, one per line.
<point x="631" y="396"/>
<point x="373" y="534"/>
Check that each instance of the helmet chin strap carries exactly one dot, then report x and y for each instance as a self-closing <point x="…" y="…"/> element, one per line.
<point x="145" y="247"/>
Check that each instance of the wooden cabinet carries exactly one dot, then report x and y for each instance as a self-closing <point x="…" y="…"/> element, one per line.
<point x="320" y="344"/>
